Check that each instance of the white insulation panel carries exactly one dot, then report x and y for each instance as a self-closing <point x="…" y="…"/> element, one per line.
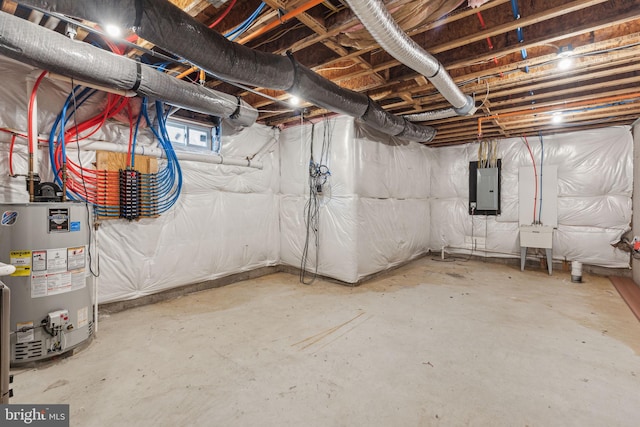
<point x="376" y="212"/>
<point x="226" y="220"/>
<point x="595" y="181"/>
<point x="386" y="201"/>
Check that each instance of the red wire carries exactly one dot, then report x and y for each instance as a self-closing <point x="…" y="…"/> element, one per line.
<point x="535" y="173"/>
<point x="13" y="141"/>
<point x="224" y="14"/>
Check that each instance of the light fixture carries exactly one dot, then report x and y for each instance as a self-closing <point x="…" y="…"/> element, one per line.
<point x="565" y="63"/>
<point x="557" y="117"/>
<point x="294" y="100"/>
<point x="113" y="30"/>
<point x="565" y="57"/>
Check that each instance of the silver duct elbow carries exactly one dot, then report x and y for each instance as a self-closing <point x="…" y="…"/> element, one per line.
<point x="384" y="29"/>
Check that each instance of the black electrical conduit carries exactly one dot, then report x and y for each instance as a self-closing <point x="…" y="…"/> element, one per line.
<point x="170" y="28"/>
<point x="37" y="46"/>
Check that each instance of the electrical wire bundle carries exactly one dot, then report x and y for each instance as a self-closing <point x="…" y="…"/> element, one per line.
<point x="488" y="154"/>
<point x="318" y="175"/>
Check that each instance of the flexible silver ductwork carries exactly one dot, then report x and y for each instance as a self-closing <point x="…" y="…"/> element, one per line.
<point x="431" y="115"/>
<point x="383" y="28"/>
<point x="167" y="26"/>
<point x="45" y="49"/>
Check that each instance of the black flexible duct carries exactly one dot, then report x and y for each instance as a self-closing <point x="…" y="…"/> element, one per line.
<point x="37" y="46"/>
<point x="167" y="26"/>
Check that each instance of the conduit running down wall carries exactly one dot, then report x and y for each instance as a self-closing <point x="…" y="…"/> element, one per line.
<point x="43" y="48"/>
<point x="167" y="26"/>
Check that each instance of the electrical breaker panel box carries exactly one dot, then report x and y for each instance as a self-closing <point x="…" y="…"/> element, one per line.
<point x="487" y="194"/>
<point x="484" y="189"/>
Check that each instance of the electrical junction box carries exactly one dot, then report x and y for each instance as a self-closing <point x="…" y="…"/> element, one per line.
<point x="487" y="189"/>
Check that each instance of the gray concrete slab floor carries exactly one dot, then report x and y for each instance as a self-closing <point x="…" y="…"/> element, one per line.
<point x="430" y="344"/>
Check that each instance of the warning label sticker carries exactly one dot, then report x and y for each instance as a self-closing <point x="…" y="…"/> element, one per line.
<point x="39" y="261"/>
<point x="83" y="316"/>
<point x="52" y="271"/>
<point x="39" y="286"/>
<point x="78" y="280"/>
<point x="21" y="260"/>
<point x="58" y="283"/>
<point x="75" y="257"/>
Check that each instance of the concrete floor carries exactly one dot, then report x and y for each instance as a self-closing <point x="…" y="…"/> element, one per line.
<point x="432" y="343"/>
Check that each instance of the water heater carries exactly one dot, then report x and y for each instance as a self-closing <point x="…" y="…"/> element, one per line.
<point x="52" y="288"/>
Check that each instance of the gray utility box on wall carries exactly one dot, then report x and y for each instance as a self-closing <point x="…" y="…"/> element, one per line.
<point x="487" y="191"/>
<point x="484" y="189"/>
<point x="51" y="289"/>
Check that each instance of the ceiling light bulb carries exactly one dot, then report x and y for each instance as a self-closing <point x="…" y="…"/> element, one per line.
<point x="565" y="63"/>
<point x="294" y="100"/>
<point x="557" y="118"/>
<point x="113" y="30"/>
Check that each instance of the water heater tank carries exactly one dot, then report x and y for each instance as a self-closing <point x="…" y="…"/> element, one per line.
<point x="52" y="288"/>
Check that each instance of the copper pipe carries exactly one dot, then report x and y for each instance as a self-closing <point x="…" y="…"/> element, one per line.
<point x="556" y="108"/>
<point x="32" y="189"/>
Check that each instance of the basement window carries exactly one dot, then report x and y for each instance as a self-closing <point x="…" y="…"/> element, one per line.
<point x="193" y="136"/>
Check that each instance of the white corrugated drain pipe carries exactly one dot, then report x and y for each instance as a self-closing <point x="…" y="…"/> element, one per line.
<point x="383" y="28"/>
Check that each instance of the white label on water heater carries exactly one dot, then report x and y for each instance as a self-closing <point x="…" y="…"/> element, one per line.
<point x="75" y="257"/>
<point x="38" y="286"/>
<point x="83" y="316"/>
<point x="39" y="261"/>
<point x="78" y="280"/>
<point x="56" y="271"/>
<point x="58" y="283"/>
<point x="56" y="260"/>
<point x="27" y="335"/>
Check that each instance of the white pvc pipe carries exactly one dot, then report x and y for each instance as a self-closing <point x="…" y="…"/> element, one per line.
<point x="576" y="271"/>
<point x="182" y="155"/>
<point x="263" y="150"/>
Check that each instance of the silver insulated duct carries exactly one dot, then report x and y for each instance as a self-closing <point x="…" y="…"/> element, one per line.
<point x="167" y="26"/>
<point x="384" y="29"/>
<point x="48" y="50"/>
